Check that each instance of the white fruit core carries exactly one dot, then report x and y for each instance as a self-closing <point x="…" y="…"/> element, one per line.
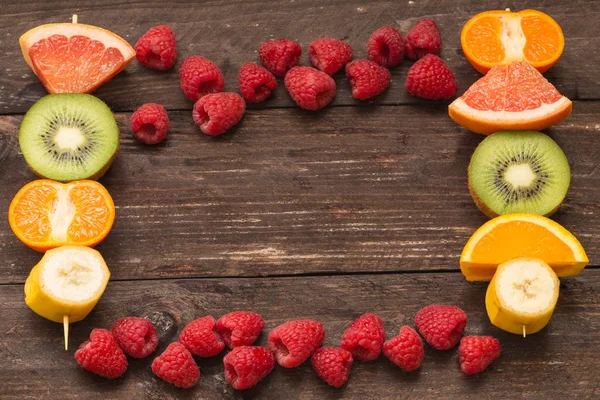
<point x="512" y="37"/>
<point x="72" y="274"/>
<point x="519" y="175"/>
<point x="526" y="286"/>
<point x="61" y="215"/>
<point x="69" y="138"/>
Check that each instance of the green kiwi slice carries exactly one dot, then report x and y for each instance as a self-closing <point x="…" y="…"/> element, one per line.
<point x="518" y="171"/>
<point x="69" y="136"/>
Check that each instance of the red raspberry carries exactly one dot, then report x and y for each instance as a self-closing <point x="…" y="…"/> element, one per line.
<point x="279" y="55"/>
<point x="177" y="366"/>
<point x="200" y="338"/>
<point x="310" y="88"/>
<point x="294" y="341"/>
<point x="157" y="48"/>
<point x="149" y="123"/>
<point x="423" y="38"/>
<point x="364" y="337"/>
<point x="215" y="113"/>
<point x="430" y="78"/>
<point x="256" y="82"/>
<point x="239" y="328"/>
<point x="245" y="366"/>
<point x="405" y="350"/>
<point x="476" y="353"/>
<point x="136" y="336"/>
<point x="367" y="79"/>
<point x="386" y="47"/>
<point x="441" y="325"/>
<point x="199" y="76"/>
<point x="333" y="365"/>
<point x="329" y="55"/>
<point x="102" y="355"/>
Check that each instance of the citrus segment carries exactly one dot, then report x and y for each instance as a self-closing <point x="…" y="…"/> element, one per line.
<point x="510" y="97"/>
<point x="515" y="87"/>
<point x="74" y="58"/>
<point x="74" y="65"/>
<point x="32" y="212"/>
<point x="483" y="39"/>
<point x="46" y="214"/>
<point x="92" y="214"/>
<point x="501" y="37"/>
<point x="521" y="235"/>
<point x="545" y="40"/>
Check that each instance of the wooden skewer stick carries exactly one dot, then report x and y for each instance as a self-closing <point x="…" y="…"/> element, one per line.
<point x="524" y="333"/>
<point x="74" y="19"/>
<point x="66" y="329"/>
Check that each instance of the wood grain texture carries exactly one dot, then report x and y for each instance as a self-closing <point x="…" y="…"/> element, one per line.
<point x="558" y="362"/>
<point x="293" y="192"/>
<point x="295" y="214"/>
<point x="229" y="32"/>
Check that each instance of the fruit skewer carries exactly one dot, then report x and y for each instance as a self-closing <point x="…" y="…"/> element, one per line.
<point x="66" y="330"/>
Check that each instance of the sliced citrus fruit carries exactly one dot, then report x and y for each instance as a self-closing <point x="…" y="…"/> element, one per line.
<point x="521" y="235"/>
<point x="500" y="37"/>
<point x="510" y="97"/>
<point x="46" y="214"/>
<point x="74" y="58"/>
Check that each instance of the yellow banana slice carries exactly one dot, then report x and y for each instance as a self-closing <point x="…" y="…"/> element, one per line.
<point x="66" y="284"/>
<point x="522" y="295"/>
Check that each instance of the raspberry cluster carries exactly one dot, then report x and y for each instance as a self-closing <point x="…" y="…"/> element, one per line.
<point x="312" y="88"/>
<point x="290" y="345"/>
<point x="104" y="352"/>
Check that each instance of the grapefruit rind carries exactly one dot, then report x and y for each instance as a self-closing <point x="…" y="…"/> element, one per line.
<point x="487" y="122"/>
<point x="562" y="269"/>
<point x="108" y="38"/>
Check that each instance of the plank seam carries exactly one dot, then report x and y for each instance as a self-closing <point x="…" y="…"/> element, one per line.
<point x="291" y="106"/>
<point x="301" y="275"/>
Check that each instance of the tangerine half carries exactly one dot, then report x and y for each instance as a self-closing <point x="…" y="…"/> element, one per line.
<point x="500" y="37"/>
<point x="46" y="214"/>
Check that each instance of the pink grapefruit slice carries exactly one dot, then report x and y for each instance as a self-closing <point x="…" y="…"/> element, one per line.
<point x="510" y="97"/>
<point x="74" y="58"/>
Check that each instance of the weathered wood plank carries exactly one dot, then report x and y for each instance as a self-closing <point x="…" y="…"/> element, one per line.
<point x="292" y="192"/>
<point x="229" y="32"/>
<point x="559" y="362"/>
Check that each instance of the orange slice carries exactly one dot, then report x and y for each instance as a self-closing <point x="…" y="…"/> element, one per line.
<point x="74" y="58"/>
<point x="500" y="37"/>
<point x="521" y="235"/>
<point x="510" y="97"/>
<point x="46" y="214"/>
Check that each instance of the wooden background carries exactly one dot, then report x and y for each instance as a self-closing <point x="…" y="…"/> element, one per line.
<point x="362" y="206"/>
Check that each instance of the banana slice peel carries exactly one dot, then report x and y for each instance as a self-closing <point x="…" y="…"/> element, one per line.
<point x="522" y="295"/>
<point x="68" y="281"/>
